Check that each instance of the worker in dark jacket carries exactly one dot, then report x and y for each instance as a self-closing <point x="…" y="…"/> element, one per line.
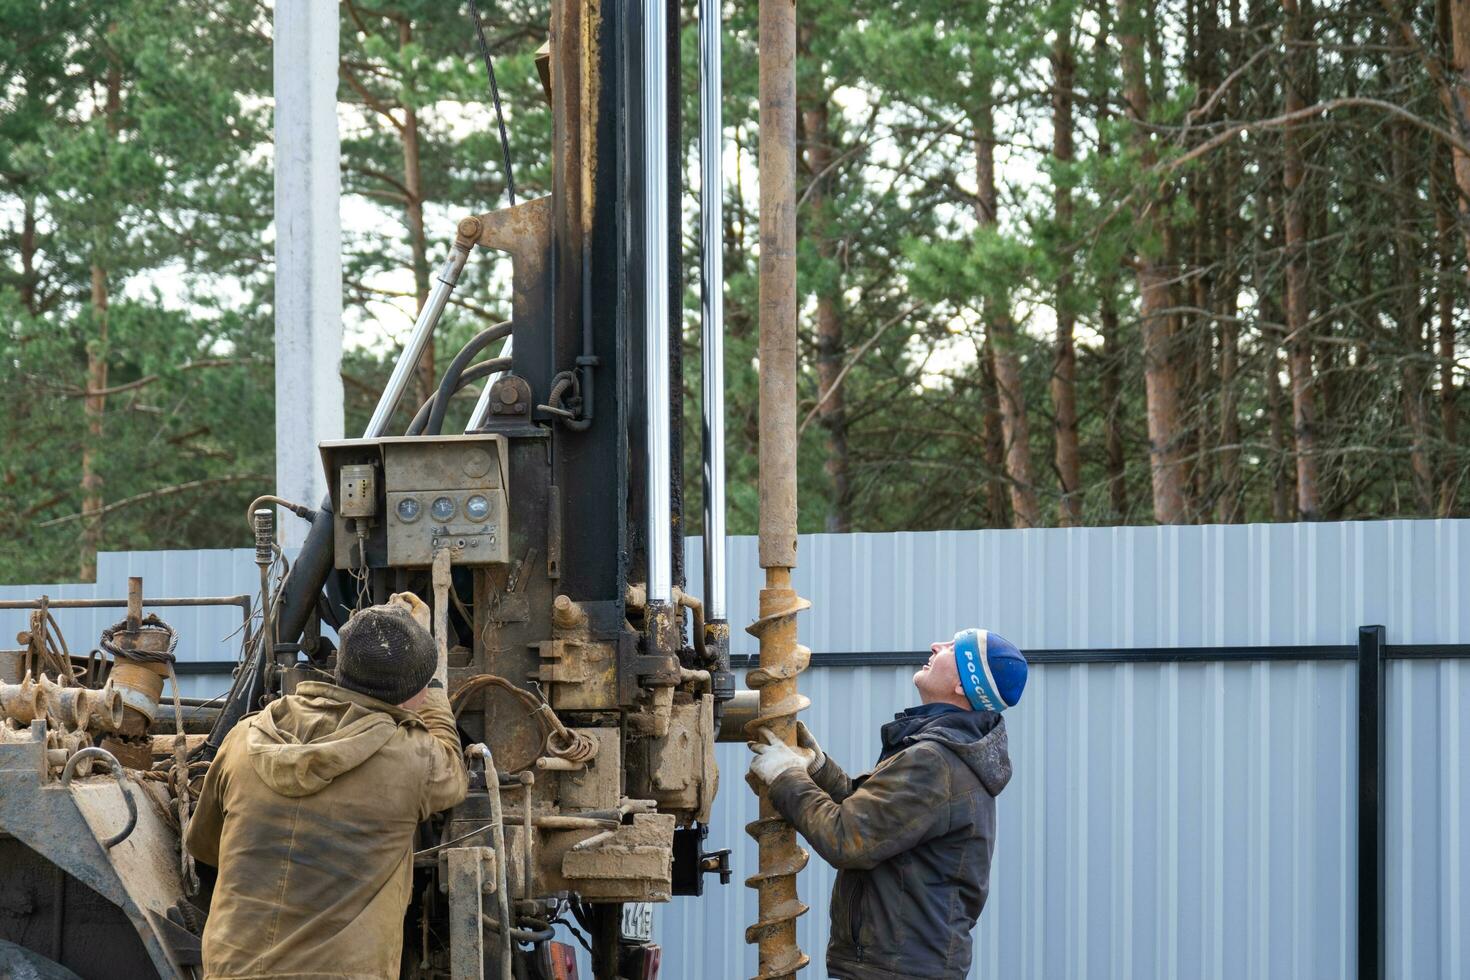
<point x="310" y="808"/>
<point x="912" y="838"/>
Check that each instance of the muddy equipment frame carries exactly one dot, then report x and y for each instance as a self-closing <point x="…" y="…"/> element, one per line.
<point x="589" y="687"/>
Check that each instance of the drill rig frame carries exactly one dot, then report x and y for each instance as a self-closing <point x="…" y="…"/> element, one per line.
<point x="547" y="537"/>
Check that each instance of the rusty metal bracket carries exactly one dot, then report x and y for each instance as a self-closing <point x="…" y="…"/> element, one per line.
<point x="471" y="875"/>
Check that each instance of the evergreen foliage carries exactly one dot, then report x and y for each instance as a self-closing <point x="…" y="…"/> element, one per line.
<point x="1071" y="262"/>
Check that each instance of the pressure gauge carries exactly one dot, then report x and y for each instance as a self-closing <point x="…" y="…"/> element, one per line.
<point x="477" y="508"/>
<point x="409" y="510"/>
<point x="442" y="509"/>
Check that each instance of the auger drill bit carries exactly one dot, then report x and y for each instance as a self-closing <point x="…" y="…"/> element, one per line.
<point x="781" y="857"/>
<point x="781" y="657"/>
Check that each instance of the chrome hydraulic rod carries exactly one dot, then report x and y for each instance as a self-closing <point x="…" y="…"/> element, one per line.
<point x="712" y="306"/>
<point x="656" y="301"/>
<point x="418" y="340"/>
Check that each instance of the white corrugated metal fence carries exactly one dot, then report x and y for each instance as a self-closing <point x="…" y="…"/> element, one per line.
<point x="1165" y="819"/>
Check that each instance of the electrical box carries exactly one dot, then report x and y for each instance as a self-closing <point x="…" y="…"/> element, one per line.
<point x="427" y="493"/>
<point x="358" y="491"/>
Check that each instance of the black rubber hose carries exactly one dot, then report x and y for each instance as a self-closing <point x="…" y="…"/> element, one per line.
<point x="474" y="373"/>
<point x="533" y="935"/>
<point x="450" y="382"/>
<point x="298" y="599"/>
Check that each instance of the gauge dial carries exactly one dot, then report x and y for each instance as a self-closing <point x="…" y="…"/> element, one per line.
<point x="409" y="510"/>
<point x="477" y="508"/>
<point x="442" y="509"/>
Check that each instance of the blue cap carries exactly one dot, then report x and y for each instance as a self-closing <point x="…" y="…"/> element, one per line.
<point x="992" y="671"/>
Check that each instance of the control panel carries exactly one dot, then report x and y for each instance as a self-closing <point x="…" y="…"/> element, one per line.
<point x="358" y="490"/>
<point x="400" y="500"/>
<point x="472" y="522"/>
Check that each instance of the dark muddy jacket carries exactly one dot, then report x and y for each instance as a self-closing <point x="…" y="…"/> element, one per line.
<point x="911" y="840"/>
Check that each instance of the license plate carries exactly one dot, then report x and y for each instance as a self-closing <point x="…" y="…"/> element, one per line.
<point x="637" y="922"/>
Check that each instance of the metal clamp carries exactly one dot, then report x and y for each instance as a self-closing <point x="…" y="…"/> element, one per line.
<point x="103" y="755"/>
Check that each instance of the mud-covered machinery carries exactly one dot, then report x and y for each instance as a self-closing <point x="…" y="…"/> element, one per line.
<point x="588" y="685"/>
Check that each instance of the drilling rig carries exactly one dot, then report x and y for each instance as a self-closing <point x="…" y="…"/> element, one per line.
<point x="589" y="687"/>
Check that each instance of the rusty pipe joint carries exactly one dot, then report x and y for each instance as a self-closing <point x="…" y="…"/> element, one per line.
<point x="636" y="596"/>
<point x="568" y="615"/>
<point x="22" y="702"/>
<point x="83" y="707"/>
<point x="696" y="610"/>
<point x="695" y="679"/>
<point x="62" y="707"/>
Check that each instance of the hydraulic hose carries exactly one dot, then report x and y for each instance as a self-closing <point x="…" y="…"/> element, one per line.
<point x="298" y="598"/>
<point x="450" y="382"/>
<point x="472" y="374"/>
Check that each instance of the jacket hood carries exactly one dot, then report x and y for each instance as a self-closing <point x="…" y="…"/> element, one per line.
<point x="303" y="741"/>
<point x="977" y="737"/>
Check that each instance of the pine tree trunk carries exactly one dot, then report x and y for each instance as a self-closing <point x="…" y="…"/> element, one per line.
<point x="1447" y="287"/>
<point x="832" y="408"/>
<point x="1199" y="455"/>
<point x="1160" y="367"/>
<point x="94" y="405"/>
<point x="1298" y="303"/>
<point x="1459" y="105"/>
<point x="1064" y="370"/>
<point x="413" y="208"/>
<point x="1108" y="325"/>
<point x="1411" y="332"/>
<point x="1443" y="185"/>
<point x="996" y="508"/>
<point x="1281" y="484"/>
<point x="1112" y="394"/>
<point x="28" y="278"/>
<point x="1001" y="331"/>
<point x="1229" y="507"/>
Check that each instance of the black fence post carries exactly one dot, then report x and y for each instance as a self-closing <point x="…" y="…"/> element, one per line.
<point x="1371" y="868"/>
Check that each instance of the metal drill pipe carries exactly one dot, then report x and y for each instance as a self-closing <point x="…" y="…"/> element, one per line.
<point x="777" y="349"/>
<point x="712" y="305"/>
<point x="423" y="332"/>
<point x="781" y="657"/>
<point x="655" y="302"/>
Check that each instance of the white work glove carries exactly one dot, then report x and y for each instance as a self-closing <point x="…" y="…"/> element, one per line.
<point x="775" y="757"/>
<point x="807" y="741"/>
<point x="416" y="607"/>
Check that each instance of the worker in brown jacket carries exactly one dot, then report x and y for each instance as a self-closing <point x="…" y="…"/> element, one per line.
<point x="310" y="807"/>
<point x="911" y="838"/>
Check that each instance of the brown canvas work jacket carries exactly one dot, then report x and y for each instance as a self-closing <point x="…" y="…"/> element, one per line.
<point x="309" y="813"/>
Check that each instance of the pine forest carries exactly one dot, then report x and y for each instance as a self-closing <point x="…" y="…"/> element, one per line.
<point x="1062" y="263"/>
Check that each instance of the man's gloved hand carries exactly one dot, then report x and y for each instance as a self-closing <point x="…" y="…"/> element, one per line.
<point x="807" y="741"/>
<point x="416" y="606"/>
<point x="775" y="757"/>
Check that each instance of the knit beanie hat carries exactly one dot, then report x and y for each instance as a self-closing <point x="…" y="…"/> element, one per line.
<point x="992" y="671"/>
<point x="385" y="654"/>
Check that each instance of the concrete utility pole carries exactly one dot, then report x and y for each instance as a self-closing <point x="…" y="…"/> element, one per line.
<point x="308" y="252"/>
<point x="781" y="657"/>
